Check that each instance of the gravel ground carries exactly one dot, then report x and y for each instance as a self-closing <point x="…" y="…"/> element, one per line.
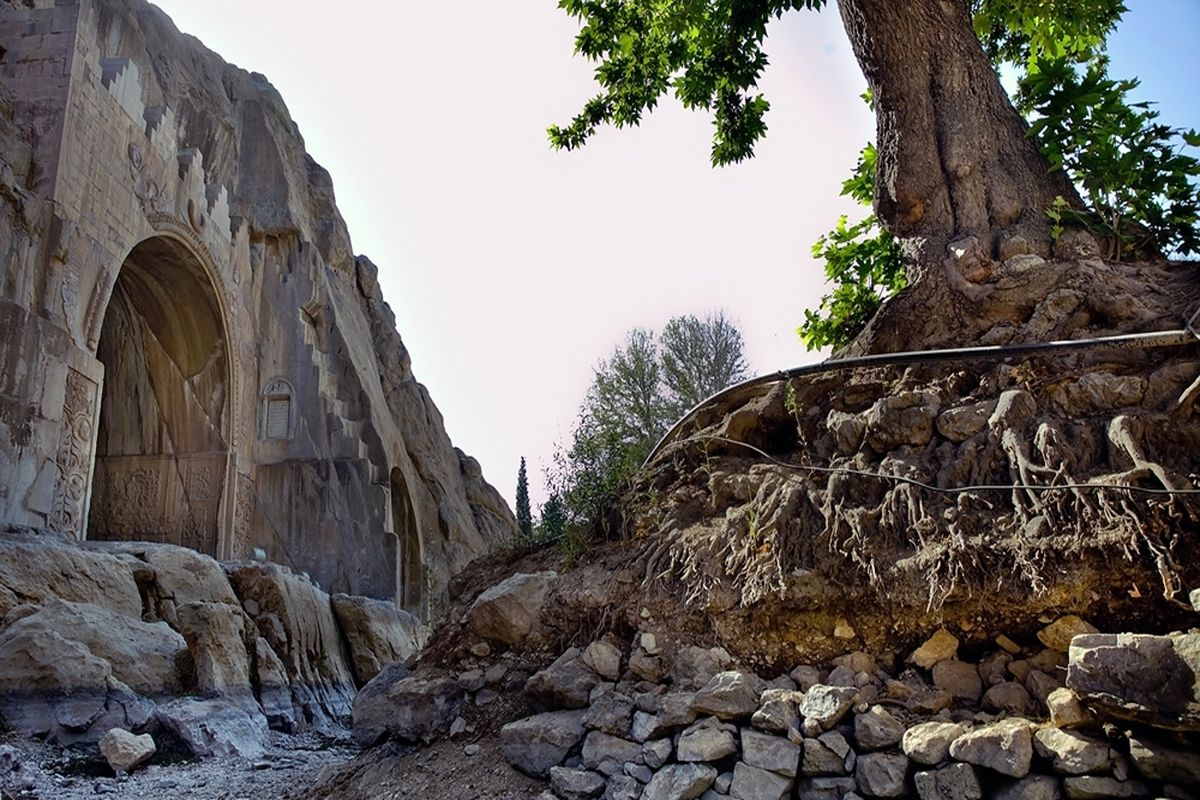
<point x="290" y="765"/>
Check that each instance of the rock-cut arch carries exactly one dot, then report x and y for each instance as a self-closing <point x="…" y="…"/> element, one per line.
<point x="162" y="447"/>
<point x="410" y="578"/>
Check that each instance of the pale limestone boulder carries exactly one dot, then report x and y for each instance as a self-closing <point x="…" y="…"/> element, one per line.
<point x="1005" y="746"/>
<point x="377" y="633"/>
<point x="753" y="783"/>
<point x="215" y="727"/>
<point x="952" y="782"/>
<point x="704" y="741"/>
<point x="55" y="688"/>
<point x="535" y="744"/>
<point x="1066" y="711"/>
<point x="216" y="636"/>
<point x="1139" y="677"/>
<point x="509" y="611"/>
<point x="180" y="574"/>
<point x="881" y="774"/>
<point x="939" y="647"/>
<point x="604" y="659"/>
<point x="826" y="705"/>
<point x="1071" y="752"/>
<point x="296" y="618"/>
<point x="729" y="695"/>
<point x="929" y="742"/>
<point x="406" y="707"/>
<point x="39" y="566"/>
<point x="1058" y="634"/>
<point x="145" y="656"/>
<point x="125" y="752"/>
<point x="680" y="782"/>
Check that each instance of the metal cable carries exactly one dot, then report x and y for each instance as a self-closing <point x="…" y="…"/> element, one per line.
<point x="1129" y="341"/>
<point x="986" y="487"/>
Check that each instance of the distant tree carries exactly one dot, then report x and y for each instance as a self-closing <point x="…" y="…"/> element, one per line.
<point x="553" y="522"/>
<point x="524" y="517"/>
<point x="635" y="396"/>
<point x="700" y="357"/>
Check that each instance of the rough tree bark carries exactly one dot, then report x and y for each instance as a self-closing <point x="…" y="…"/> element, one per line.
<point x="954" y="159"/>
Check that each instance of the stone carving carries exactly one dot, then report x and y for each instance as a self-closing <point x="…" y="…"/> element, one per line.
<point x="74" y="455"/>
<point x="243" y="517"/>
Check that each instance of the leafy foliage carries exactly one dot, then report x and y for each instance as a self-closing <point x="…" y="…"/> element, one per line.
<point x="709" y="54"/>
<point x="524" y="515"/>
<point x="1131" y="170"/>
<point x="635" y="396"/>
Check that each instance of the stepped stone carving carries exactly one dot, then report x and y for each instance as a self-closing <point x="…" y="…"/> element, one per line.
<point x="190" y="351"/>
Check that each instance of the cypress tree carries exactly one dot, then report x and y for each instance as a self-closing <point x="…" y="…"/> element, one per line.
<point x="524" y="515"/>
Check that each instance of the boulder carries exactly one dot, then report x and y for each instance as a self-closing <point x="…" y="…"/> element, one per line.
<point x="958" y="679"/>
<point x="826" y="788"/>
<point x="729" y="695"/>
<point x="509" y="611"/>
<point x="952" y="782"/>
<point x="877" y="729"/>
<point x="1005" y="746"/>
<point x="1065" y="709"/>
<point x="608" y="754"/>
<point x="772" y="753"/>
<point x="216" y="727"/>
<point x="125" y="752"/>
<point x="1071" y="752"/>
<point x="826" y="705"/>
<point x="377" y="633"/>
<point x="679" y="782"/>
<point x="274" y="692"/>
<point x="1139" y="677"/>
<point x="828" y="754"/>
<point x="1095" y="787"/>
<point x="604" y="659"/>
<point x="1031" y="787"/>
<point x="939" y="647"/>
<point x="610" y="712"/>
<point x="1058" y="634"/>
<point x="144" y="656"/>
<point x="576" y="784"/>
<point x="216" y="638"/>
<point x="410" y="708"/>
<point x="621" y="787"/>
<point x="882" y="774"/>
<point x="694" y="667"/>
<point x="1158" y="762"/>
<point x="535" y="744"/>
<point x="180" y="574"/>
<point x="929" y="742"/>
<point x="657" y="753"/>
<point x="1010" y="697"/>
<point x="565" y="684"/>
<point x="753" y="783"/>
<point x="778" y="711"/>
<point x="39" y="566"/>
<point x="706" y="740"/>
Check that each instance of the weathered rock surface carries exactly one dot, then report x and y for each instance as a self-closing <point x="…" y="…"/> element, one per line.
<point x="567" y="683"/>
<point x="535" y="744"/>
<point x="215" y="727"/>
<point x="508" y="611"/>
<point x="1005" y="746"/>
<point x="377" y="633"/>
<point x="680" y="782"/>
<point x="406" y="707"/>
<point x="1139" y="677"/>
<point x="728" y="695"/>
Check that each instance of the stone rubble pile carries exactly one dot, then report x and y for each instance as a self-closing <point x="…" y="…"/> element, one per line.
<point x="1075" y="714"/>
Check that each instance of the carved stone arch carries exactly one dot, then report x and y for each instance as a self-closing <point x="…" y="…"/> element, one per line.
<point x="410" y="562"/>
<point x="169" y="426"/>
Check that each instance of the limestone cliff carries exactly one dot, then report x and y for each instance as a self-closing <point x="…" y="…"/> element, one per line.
<point x="193" y="353"/>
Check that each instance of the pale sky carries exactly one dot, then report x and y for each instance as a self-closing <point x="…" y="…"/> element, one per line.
<point x="513" y="269"/>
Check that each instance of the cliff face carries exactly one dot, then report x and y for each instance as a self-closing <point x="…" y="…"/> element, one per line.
<point x="194" y="353"/>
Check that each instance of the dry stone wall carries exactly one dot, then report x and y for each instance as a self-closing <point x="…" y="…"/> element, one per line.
<point x="190" y="351"/>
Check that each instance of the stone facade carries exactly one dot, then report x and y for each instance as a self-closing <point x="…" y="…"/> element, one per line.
<point x="190" y="351"/>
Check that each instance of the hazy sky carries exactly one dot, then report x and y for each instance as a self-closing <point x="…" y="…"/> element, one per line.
<point x="513" y="269"/>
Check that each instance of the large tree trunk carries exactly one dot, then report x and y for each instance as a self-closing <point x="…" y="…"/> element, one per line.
<point x="954" y="158"/>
